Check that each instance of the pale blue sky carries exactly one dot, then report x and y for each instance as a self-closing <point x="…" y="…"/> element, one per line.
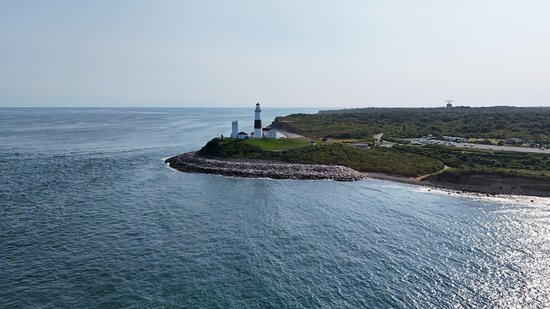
<point x="281" y="53"/>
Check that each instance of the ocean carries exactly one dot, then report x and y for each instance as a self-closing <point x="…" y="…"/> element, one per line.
<point x="91" y="217"/>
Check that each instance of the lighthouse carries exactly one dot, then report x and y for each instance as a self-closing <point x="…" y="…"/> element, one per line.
<point x="258" y="122"/>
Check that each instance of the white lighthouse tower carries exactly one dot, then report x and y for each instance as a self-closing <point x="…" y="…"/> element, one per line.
<point x="258" y="122"/>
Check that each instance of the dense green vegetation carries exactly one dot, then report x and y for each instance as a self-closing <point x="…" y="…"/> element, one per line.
<point x="529" y="124"/>
<point x="475" y="158"/>
<point x="404" y="160"/>
<point x="278" y="144"/>
<point x="383" y="160"/>
<point x="538" y="175"/>
<point x="380" y="160"/>
<point x="532" y="165"/>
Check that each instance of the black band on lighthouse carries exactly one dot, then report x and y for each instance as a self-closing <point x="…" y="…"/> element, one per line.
<point x="257" y="124"/>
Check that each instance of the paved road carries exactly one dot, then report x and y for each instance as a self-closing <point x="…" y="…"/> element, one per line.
<point x="481" y="146"/>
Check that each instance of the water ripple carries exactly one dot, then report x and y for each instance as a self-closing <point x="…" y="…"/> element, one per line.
<point x="87" y="221"/>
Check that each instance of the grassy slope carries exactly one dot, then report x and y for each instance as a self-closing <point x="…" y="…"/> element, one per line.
<point x="278" y="144"/>
<point x="404" y="160"/>
<point x="530" y="165"/>
<point x="531" y="174"/>
<point x="382" y="160"/>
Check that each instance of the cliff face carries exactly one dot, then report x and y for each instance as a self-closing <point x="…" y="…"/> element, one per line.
<point x="491" y="184"/>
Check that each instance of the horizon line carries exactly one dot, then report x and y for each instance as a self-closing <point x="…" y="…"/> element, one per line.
<point x="276" y="107"/>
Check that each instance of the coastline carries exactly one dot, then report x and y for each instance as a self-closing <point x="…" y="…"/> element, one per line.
<point x="488" y="184"/>
<point x="191" y="162"/>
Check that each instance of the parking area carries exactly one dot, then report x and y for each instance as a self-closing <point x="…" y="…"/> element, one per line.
<point x="423" y="141"/>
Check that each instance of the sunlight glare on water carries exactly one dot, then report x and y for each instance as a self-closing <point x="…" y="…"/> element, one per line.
<point x="91" y="217"/>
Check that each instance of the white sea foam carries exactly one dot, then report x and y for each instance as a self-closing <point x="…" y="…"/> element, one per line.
<point x="499" y="198"/>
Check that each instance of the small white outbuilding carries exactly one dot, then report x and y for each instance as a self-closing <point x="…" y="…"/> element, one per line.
<point x="273" y="133"/>
<point x="242" y="135"/>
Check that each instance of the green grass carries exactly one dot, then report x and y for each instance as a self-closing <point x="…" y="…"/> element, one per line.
<point x="278" y="144"/>
<point x="381" y="160"/>
<point x="404" y="160"/>
<point x="466" y="159"/>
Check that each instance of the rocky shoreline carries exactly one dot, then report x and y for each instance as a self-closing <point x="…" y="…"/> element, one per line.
<point x="191" y="162"/>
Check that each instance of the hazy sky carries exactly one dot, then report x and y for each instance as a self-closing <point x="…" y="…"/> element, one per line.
<point x="281" y="53"/>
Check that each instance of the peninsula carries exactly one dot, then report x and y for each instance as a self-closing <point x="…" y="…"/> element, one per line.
<point x="406" y="145"/>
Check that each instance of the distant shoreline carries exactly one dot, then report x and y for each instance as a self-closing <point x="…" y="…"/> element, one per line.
<point x="489" y="184"/>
